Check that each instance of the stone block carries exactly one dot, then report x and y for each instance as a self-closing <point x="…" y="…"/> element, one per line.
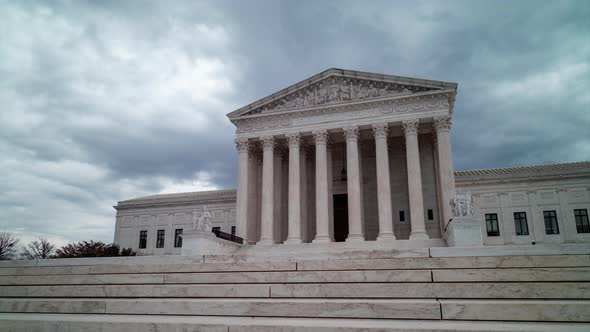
<point x="433" y="290"/>
<point x="522" y="274"/>
<point x="202" y="267"/>
<point x="113" y="291"/>
<point x="73" y="306"/>
<point x="82" y="279"/>
<point x="320" y="308"/>
<point x="517" y="310"/>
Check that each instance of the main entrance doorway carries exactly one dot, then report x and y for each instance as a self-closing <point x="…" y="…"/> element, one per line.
<point x="340" y="217"/>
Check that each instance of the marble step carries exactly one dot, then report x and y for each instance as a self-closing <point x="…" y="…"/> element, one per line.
<point x="447" y="263"/>
<point x="543" y="290"/>
<point x="311" y="308"/>
<point x="530" y="310"/>
<point x="487" y="290"/>
<point x="150" y="268"/>
<point x="523" y="274"/>
<point x="311" y="265"/>
<point x="111" y="291"/>
<point x="136" y="323"/>
<point x="224" y="277"/>
<point x="441" y="275"/>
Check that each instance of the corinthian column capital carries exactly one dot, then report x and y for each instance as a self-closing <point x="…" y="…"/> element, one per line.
<point x="351" y="133"/>
<point x="294" y="139"/>
<point x="268" y="142"/>
<point x="380" y="130"/>
<point x="320" y="136"/>
<point x="410" y="127"/>
<point x="242" y="144"/>
<point x="442" y="123"/>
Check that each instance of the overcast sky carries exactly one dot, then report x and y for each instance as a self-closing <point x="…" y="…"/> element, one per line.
<point x="102" y="101"/>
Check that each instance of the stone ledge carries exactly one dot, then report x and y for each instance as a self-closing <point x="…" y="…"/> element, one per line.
<point x="517" y="310"/>
<point x="313" y="308"/>
<point x="126" y="323"/>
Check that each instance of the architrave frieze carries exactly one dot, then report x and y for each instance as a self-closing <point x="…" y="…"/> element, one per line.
<point x="426" y="104"/>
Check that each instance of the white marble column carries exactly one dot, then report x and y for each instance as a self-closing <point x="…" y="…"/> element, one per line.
<point x="254" y="163"/>
<point x="294" y="207"/>
<point x="266" y="219"/>
<point x="243" y="147"/>
<point x="322" y="199"/>
<point x="355" y="212"/>
<point x="446" y="173"/>
<point x="410" y="129"/>
<point x="380" y="132"/>
<point x="278" y="195"/>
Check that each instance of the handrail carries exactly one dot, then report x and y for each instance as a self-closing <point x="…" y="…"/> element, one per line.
<point x="227" y="236"/>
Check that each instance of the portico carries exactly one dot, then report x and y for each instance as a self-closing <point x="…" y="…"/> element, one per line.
<point x="383" y="141"/>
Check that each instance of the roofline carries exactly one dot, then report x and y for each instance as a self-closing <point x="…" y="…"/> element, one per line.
<point x="342" y="72"/>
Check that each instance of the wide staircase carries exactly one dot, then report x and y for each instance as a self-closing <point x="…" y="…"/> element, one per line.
<point x="507" y="293"/>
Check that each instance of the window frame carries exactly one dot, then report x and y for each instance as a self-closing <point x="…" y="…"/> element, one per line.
<point x="143" y="239"/>
<point x="581" y="224"/>
<point x="178" y="238"/>
<point x="551" y="217"/>
<point x="430" y="214"/>
<point x="490" y="222"/>
<point x="520" y="220"/>
<point x="160" y="238"/>
<point x="402" y="216"/>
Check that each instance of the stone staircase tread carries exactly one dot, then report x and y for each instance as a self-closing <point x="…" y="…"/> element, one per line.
<point x="502" y="290"/>
<point x="123" y="323"/>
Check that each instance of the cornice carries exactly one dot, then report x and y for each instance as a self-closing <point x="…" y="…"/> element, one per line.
<point x="414" y="104"/>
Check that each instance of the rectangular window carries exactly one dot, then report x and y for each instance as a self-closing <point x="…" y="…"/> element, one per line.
<point x="178" y="238"/>
<point x="160" y="239"/>
<point x="492" y="224"/>
<point x="402" y="217"/>
<point x="233" y="230"/>
<point x="430" y="214"/>
<point x="551" y="226"/>
<point x="520" y="223"/>
<point x="142" y="239"/>
<point x="582" y="224"/>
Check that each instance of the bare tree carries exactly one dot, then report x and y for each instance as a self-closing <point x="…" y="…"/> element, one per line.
<point x="8" y="244"/>
<point x="38" y="249"/>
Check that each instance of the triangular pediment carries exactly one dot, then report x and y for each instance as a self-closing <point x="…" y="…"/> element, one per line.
<point x="337" y="86"/>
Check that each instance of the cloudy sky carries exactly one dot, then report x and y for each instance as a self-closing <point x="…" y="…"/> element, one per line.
<point x="103" y="101"/>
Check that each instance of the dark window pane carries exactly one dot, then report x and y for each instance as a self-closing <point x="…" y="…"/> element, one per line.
<point x="582" y="223"/>
<point x="142" y="239"/>
<point x="430" y="214"/>
<point x="551" y="225"/>
<point x="402" y="217"/>
<point x="160" y="239"/>
<point x="520" y="223"/>
<point x="233" y="230"/>
<point x="178" y="238"/>
<point x="492" y="227"/>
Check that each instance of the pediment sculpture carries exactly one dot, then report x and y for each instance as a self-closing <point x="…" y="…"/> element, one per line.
<point x="333" y="90"/>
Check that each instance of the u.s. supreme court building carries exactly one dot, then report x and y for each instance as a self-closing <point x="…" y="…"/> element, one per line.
<point x="364" y="159"/>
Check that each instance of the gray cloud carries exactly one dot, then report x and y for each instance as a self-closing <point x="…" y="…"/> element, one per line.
<point x="108" y="100"/>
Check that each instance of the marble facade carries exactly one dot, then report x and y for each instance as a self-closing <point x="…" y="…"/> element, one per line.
<point x="356" y="157"/>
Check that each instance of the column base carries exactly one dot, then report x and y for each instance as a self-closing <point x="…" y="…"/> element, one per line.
<point x="419" y="236"/>
<point x="322" y="239"/>
<point x="355" y="238"/>
<point x="293" y="241"/>
<point x="266" y="242"/>
<point x="386" y="237"/>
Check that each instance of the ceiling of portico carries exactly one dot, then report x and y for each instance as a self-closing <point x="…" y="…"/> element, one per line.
<point x="340" y="87"/>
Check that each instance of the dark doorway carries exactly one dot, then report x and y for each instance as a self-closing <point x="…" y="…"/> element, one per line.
<point x="340" y="217"/>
